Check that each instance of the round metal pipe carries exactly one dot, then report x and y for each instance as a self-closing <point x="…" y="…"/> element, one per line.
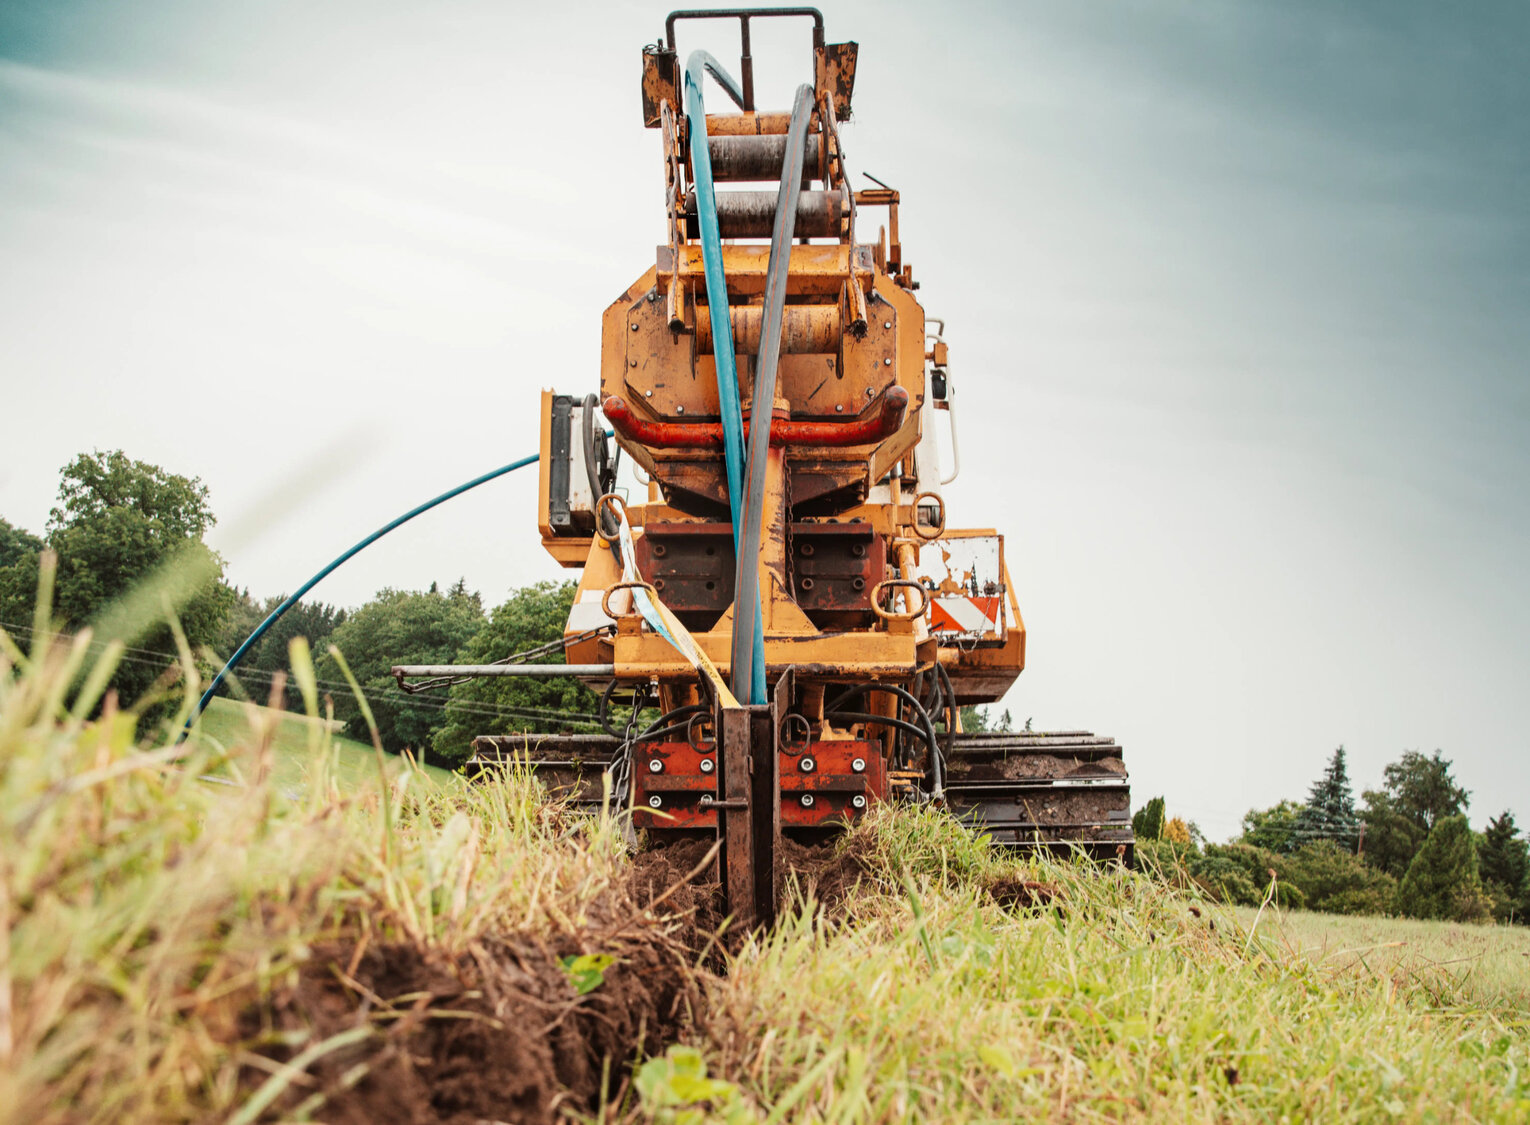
<point x="752" y="214"/>
<point x="805" y="330"/>
<point x="757" y="158"/>
<point x="535" y="671"/>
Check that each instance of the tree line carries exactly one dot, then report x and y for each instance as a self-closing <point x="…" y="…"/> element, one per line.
<point x="122" y="526"/>
<point x="1407" y="848"/>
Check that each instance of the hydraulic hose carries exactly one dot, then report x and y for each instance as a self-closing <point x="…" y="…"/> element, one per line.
<point x="591" y="475"/>
<point x="276" y="614"/>
<point x="937" y="767"/>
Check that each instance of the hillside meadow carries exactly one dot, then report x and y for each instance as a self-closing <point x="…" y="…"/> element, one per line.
<point x="383" y="945"/>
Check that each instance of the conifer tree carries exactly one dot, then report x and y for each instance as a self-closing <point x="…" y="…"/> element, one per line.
<point x="1443" y="880"/>
<point x="1329" y="813"/>
<point x="1148" y="822"/>
<point x="1504" y="857"/>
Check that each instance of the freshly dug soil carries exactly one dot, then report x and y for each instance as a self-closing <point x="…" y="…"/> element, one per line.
<point x="1026" y="766"/>
<point x="828" y="872"/>
<point x="497" y="1033"/>
<point x="1021" y="894"/>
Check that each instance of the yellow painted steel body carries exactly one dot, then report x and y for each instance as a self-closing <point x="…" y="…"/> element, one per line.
<point x="853" y="333"/>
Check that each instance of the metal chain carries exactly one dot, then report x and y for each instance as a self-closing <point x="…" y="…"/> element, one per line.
<point x="620" y="768"/>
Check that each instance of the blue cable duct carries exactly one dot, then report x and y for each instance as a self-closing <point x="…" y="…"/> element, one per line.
<point x="276" y="614"/>
<point x="700" y="63"/>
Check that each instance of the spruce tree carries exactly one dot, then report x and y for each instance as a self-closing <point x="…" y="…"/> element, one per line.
<point x="1148" y="822"/>
<point x="1504" y="857"/>
<point x="1443" y="880"/>
<point x="1330" y="810"/>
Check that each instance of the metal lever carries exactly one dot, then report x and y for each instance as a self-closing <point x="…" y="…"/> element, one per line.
<point x="738" y="804"/>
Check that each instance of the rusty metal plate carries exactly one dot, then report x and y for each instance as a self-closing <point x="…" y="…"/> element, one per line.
<point x="662" y="373"/>
<point x="870" y="364"/>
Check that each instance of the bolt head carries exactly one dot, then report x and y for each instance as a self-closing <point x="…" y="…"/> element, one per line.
<point x="807" y="800"/>
<point x="858" y="801"/>
<point x="655" y="801"/>
<point x="887" y="324"/>
<point x="806" y="765"/>
<point x="839" y="408"/>
<point x="869" y="391"/>
<point x="634" y="327"/>
<point x="859" y="765"/>
<point x="707" y="765"/>
<point x="648" y="394"/>
<point x="887" y="361"/>
<point x="679" y="410"/>
<point x="655" y="766"/>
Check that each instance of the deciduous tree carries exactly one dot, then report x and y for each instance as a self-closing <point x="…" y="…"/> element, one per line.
<point x="401" y="627"/>
<point x="532" y="616"/>
<point x="128" y="535"/>
<point x="1418" y="791"/>
<point x="1273" y="828"/>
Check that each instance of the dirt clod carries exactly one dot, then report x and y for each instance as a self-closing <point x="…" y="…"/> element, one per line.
<point x="1021" y="894"/>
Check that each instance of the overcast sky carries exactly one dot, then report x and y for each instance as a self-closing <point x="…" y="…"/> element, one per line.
<point x="1236" y="295"/>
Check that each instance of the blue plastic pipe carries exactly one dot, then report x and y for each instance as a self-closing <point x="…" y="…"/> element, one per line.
<point x="717" y="285"/>
<point x="752" y="688"/>
<point x="260" y="630"/>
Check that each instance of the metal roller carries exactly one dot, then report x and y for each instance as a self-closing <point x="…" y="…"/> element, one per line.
<point x="805" y="330"/>
<point x="747" y="124"/>
<point x="741" y="158"/>
<point x="752" y="214"/>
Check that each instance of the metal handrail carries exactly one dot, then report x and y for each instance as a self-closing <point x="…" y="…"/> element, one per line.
<point x="745" y="100"/>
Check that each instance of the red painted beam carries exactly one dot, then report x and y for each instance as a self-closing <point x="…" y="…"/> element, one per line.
<point x="875" y="425"/>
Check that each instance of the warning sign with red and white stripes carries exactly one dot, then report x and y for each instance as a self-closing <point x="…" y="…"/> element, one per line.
<point x="958" y="613"/>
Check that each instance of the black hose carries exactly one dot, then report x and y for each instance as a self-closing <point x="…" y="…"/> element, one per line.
<point x="666" y="725"/>
<point x="937" y="767"/>
<point x="953" y="711"/>
<point x="603" y="712"/>
<point x="867" y="717"/>
<point x="597" y="488"/>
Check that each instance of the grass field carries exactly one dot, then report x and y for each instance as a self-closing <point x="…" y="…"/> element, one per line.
<point x="431" y="950"/>
<point x="1487" y="966"/>
<point x="228" y="723"/>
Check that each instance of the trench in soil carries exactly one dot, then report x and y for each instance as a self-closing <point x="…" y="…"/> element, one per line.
<point x="498" y="1032"/>
<point x="394" y="1033"/>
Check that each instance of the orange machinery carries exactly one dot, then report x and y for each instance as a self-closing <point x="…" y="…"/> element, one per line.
<point x="792" y="602"/>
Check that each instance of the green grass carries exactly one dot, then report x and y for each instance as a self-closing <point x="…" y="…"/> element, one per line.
<point x="1123" y="1000"/>
<point x="147" y="919"/>
<point x="228" y="723"/>
<point x="1483" y="965"/>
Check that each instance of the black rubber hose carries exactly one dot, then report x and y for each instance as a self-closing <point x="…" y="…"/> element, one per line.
<point x="867" y="717"/>
<point x="937" y="767"/>
<point x="603" y="712"/>
<point x="597" y="489"/>
<point x="952" y="711"/>
<point x="666" y="725"/>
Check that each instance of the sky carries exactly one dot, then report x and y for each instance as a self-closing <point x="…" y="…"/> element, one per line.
<point x="1237" y="295"/>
